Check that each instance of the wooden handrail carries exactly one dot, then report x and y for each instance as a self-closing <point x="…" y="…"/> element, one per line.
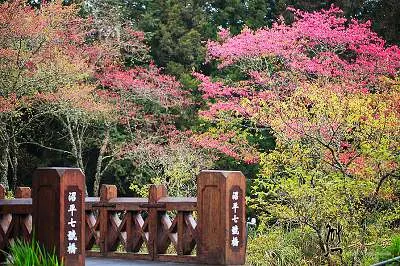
<point x="16" y="206"/>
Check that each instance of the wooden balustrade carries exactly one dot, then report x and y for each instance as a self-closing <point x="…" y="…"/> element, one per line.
<point x="159" y="227"/>
<point x="15" y="217"/>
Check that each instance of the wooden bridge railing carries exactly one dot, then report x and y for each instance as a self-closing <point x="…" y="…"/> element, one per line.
<point x="15" y="217"/>
<point x="158" y="227"/>
<point x="135" y="228"/>
<point x="155" y="228"/>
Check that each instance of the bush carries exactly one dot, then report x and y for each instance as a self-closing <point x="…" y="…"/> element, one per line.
<point x="278" y="247"/>
<point x="391" y="251"/>
<point x="285" y="246"/>
<point x="31" y="254"/>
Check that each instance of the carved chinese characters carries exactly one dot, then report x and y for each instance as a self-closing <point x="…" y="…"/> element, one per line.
<point x="221" y="217"/>
<point x="58" y="213"/>
<point x="73" y="206"/>
<point x="236" y="211"/>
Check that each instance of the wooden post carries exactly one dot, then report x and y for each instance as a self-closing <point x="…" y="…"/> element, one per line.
<point x="22" y="222"/>
<point x="221" y="217"/>
<point x="107" y="192"/>
<point x="23" y="192"/>
<point x="156" y="192"/>
<point x="4" y="219"/>
<point x="59" y="211"/>
<point x="2" y="192"/>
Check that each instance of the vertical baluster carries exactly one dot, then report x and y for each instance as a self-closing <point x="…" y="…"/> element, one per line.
<point x="129" y="231"/>
<point x="181" y="232"/>
<point x="25" y="220"/>
<point x="2" y="192"/>
<point x="155" y="193"/>
<point x="138" y="232"/>
<point x="190" y="235"/>
<point x="107" y="192"/>
<point x="113" y="230"/>
<point x="20" y="228"/>
<point x="90" y="224"/>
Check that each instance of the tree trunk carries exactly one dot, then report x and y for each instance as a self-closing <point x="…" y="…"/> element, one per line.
<point x="98" y="174"/>
<point x="72" y="141"/>
<point x="76" y="150"/>
<point x="79" y="141"/>
<point x="14" y="162"/>
<point x="4" y="165"/>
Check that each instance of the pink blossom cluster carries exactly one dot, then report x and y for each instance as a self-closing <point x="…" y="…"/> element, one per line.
<point x="146" y="83"/>
<point x="228" y="98"/>
<point x="25" y="22"/>
<point x="319" y="49"/>
<point x="353" y="162"/>
<point x="218" y="89"/>
<point x="215" y="108"/>
<point x="8" y="104"/>
<point x="227" y="144"/>
<point x="320" y="43"/>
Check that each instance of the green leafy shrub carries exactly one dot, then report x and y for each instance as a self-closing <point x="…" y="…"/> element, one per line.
<point x="391" y="251"/>
<point x="278" y="247"/>
<point x="31" y="254"/>
<point x="285" y="246"/>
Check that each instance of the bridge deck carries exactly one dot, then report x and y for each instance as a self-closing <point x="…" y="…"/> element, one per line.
<point x="118" y="262"/>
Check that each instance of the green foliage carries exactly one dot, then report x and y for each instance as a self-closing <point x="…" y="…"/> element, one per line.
<point x="176" y="166"/>
<point x="277" y="247"/>
<point x="391" y="251"/>
<point x="177" y="29"/>
<point x="234" y="14"/>
<point x="282" y="246"/>
<point x="298" y="187"/>
<point x="382" y="13"/>
<point x="31" y="254"/>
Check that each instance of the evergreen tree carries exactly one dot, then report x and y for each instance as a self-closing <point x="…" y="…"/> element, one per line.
<point x="383" y="14"/>
<point x="177" y="30"/>
<point x="236" y="13"/>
